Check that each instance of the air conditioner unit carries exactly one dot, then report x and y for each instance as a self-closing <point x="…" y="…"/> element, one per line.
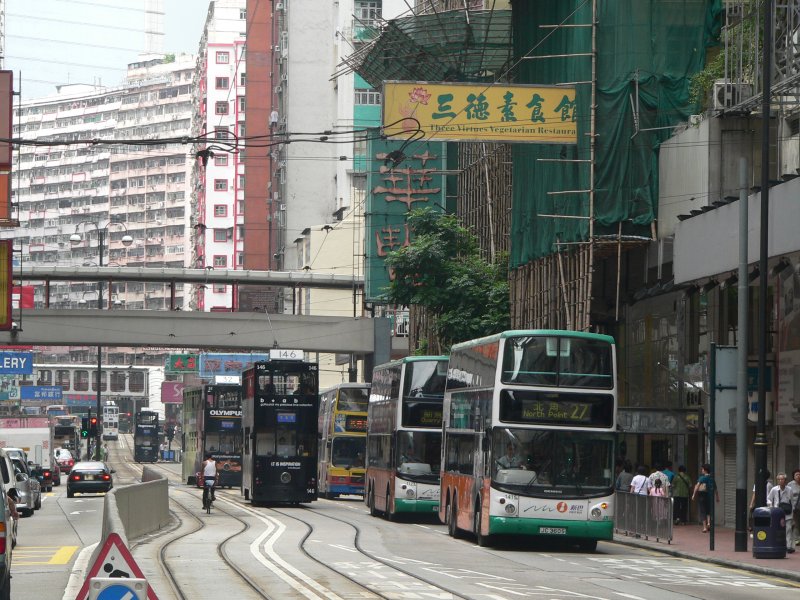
<point x="728" y="95"/>
<point x="279" y="6"/>
<point x="278" y="89"/>
<point x="277" y="47"/>
<point x="284" y="76"/>
<point x="282" y="207"/>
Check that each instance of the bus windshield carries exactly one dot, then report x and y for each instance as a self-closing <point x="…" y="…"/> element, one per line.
<point x="353" y="399"/>
<point x="558" y="361"/>
<point x="418" y="453"/>
<point x="561" y="463"/>
<point x="225" y="442"/>
<point x="348" y="452"/>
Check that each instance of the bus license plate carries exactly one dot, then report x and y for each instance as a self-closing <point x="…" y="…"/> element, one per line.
<point x="553" y="530"/>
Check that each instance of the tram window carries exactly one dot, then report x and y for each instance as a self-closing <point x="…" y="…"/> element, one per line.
<point x="62" y="379"/>
<point x="287" y="442"/>
<point x="44" y="377"/>
<point x="117" y="381"/>
<point x="265" y="444"/>
<point x="81" y="381"/>
<point x="136" y="382"/>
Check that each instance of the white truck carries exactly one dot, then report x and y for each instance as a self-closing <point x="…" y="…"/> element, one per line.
<point x="34" y="435"/>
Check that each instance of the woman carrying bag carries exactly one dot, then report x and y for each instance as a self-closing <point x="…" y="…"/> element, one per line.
<point x="704" y="489"/>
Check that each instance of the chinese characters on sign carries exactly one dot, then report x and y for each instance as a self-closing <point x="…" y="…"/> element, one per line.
<point x="394" y="189"/>
<point x="183" y="363"/>
<point x="481" y="112"/>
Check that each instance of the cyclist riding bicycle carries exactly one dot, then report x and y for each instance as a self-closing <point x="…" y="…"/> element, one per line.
<point x="209" y="469"/>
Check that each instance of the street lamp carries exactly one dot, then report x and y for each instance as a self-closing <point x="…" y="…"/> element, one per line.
<point x="76" y="239"/>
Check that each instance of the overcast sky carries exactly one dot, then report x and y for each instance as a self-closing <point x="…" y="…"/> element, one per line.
<point x="51" y="42"/>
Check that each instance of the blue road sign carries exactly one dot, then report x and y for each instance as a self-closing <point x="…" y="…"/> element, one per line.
<point x="41" y="392"/>
<point x="118" y="592"/>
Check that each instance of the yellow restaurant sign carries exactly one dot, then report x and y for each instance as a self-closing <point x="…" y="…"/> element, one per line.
<point x="480" y="112"/>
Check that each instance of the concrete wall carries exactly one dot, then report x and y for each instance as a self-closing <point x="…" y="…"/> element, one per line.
<point x="135" y="510"/>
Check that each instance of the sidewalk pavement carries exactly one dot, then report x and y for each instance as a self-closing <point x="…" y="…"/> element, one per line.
<point x="689" y="541"/>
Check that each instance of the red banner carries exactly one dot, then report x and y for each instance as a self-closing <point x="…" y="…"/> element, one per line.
<point x="22" y="296"/>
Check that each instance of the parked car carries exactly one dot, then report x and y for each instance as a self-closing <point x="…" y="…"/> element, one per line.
<point x="28" y="489"/>
<point x="7" y="534"/>
<point x="44" y="476"/>
<point x="89" y="477"/>
<point x="64" y="459"/>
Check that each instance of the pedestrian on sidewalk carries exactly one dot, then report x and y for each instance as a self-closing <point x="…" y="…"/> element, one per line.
<point x="705" y="490"/>
<point x="667" y="470"/>
<point x="625" y="477"/>
<point x="641" y="484"/>
<point x="770" y="485"/>
<point x="681" y="488"/>
<point x="781" y="497"/>
<point x="794" y="486"/>
<point x="659" y="475"/>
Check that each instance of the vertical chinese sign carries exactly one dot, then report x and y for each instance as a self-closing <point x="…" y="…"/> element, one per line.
<point x="6" y="251"/>
<point x="395" y="187"/>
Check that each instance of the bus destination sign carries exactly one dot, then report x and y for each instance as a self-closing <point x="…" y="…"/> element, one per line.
<point x="356" y="424"/>
<point x="543" y="411"/>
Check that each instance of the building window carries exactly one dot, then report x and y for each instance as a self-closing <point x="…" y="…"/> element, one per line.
<point x="222" y="83"/>
<point x="240" y="259"/>
<point x="243" y="14"/>
<point x="220" y="185"/>
<point x="241" y="182"/>
<point x="220" y="210"/>
<point x="368" y="10"/>
<point x="365" y="96"/>
<point x="242" y="103"/>
<point x="221" y="160"/>
<point x="221" y="108"/>
<point x="221" y="133"/>
<point x="242" y="79"/>
<point x="241" y="129"/>
<point x="220" y="261"/>
<point x="219" y="289"/>
<point x="220" y="235"/>
<point x="223" y="58"/>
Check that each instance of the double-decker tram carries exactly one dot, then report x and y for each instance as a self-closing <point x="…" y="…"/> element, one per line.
<point x="110" y="420"/>
<point x="343" y="439"/>
<point x="146" y="437"/>
<point x="404" y="435"/>
<point x="212" y="423"/>
<point x="528" y="448"/>
<point x="280" y="411"/>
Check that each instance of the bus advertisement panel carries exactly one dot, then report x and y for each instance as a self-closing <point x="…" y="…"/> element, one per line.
<point x="529" y="436"/>
<point x="404" y="434"/>
<point x="343" y="439"/>
<point x="280" y="413"/>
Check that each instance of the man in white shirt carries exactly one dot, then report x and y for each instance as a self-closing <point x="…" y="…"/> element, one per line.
<point x="780" y="496"/>
<point x="794" y="487"/>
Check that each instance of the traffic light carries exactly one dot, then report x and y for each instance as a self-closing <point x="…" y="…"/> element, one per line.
<point x="84" y="427"/>
<point x="93" y="427"/>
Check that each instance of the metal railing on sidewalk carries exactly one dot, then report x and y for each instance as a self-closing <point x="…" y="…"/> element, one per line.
<point x="643" y="516"/>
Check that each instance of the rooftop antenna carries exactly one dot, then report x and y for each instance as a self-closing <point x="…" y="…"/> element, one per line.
<point x="153" y="26"/>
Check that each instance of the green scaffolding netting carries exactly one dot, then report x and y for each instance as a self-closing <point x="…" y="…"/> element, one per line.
<point x="647" y="50"/>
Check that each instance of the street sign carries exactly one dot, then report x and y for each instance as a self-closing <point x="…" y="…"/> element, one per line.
<point x="41" y="392"/>
<point x="16" y="363"/>
<point x="111" y="588"/>
<point x="172" y="392"/>
<point x="114" y="561"/>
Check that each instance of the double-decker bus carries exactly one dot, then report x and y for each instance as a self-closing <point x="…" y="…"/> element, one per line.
<point x="404" y="435"/>
<point x="146" y="437"/>
<point x="343" y="439"/>
<point x="280" y="409"/>
<point x="212" y="423"/>
<point x="528" y="448"/>
<point x="110" y="420"/>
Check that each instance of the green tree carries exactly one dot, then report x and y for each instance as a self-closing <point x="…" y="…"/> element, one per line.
<point x="442" y="271"/>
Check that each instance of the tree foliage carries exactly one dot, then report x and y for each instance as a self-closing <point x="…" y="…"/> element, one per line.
<point x="442" y="271"/>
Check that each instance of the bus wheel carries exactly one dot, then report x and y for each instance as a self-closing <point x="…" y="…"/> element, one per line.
<point x="482" y="540"/>
<point x="390" y="513"/>
<point x="452" y="512"/>
<point x="588" y="545"/>
<point x="372" y="510"/>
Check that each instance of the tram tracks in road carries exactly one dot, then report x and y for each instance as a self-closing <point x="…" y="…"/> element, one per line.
<point x="282" y="569"/>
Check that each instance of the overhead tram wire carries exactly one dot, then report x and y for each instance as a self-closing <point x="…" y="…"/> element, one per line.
<point x="68" y="22"/>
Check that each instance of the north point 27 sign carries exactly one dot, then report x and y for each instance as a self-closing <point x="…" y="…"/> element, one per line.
<point x="481" y="112"/>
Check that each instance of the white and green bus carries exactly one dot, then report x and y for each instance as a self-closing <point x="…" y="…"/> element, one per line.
<point x="529" y="436"/>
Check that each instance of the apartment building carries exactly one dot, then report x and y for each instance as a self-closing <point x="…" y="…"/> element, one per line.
<point x="218" y="175"/>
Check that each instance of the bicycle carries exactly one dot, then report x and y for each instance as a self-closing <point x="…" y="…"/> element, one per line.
<point x="208" y="491"/>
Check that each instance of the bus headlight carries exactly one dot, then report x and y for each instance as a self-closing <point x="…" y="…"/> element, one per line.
<point x="598" y="511"/>
<point x="511" y="508"/>
<point x="410" y="490"/>
<point x="286" y="477"/>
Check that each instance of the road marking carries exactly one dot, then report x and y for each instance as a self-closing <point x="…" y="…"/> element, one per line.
<point x="56" y="555"/>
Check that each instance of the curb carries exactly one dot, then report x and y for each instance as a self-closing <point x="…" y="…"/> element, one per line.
<point x="671" y="551"/>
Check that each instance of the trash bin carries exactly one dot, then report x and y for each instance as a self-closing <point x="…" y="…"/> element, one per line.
<point x="769" y="533"/>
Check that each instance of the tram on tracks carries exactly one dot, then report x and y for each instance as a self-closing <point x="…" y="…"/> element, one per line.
<point x="212" y="423"/>
<point x="146" y="436"/>
<point x="110" y="420"/>
<point x="280" y="409"/>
